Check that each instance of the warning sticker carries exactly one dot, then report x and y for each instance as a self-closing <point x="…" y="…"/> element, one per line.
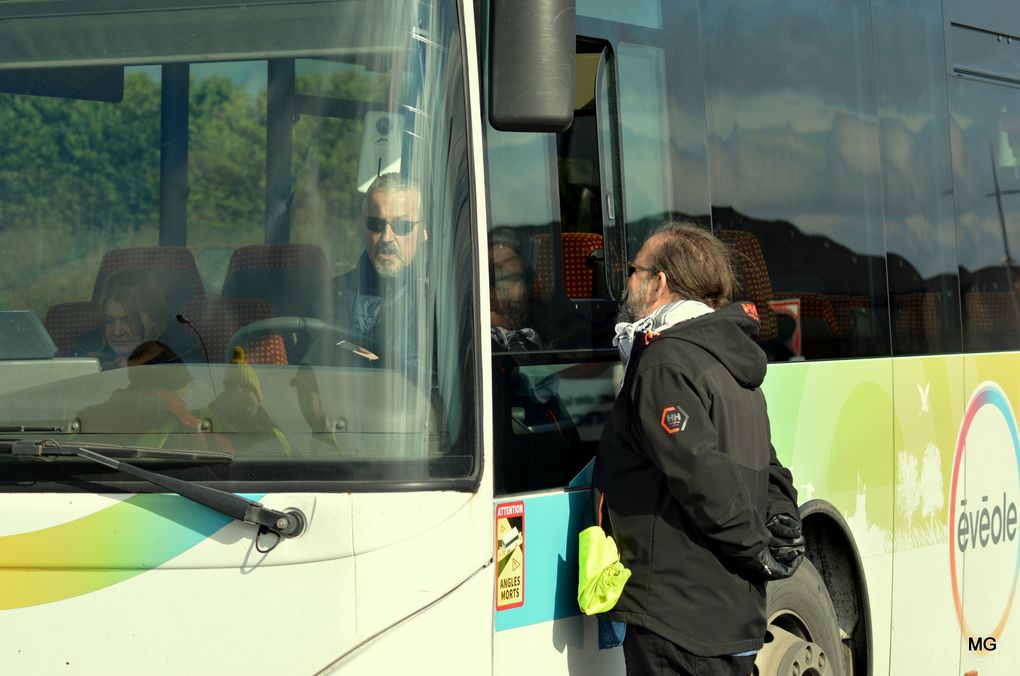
<point x="509" y="555"/>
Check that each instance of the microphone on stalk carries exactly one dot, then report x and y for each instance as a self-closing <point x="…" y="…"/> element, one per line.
<point x="181" y="319"/>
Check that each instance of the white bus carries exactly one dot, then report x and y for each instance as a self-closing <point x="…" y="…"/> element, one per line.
<point x="180" y="180"/>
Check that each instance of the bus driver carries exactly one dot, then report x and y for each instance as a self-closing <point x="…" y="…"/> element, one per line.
<point x="379" y="298"/>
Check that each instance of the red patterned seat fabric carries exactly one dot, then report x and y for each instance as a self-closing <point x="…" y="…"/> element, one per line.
<point x="290" y="255"/>
<point x="752" y="277"/>
<point x="294" y="278"/>
<point x="917" y="318"/>
<point x="819" y="306"/>
<point x="991" y="320"/>
<point x="66" y="321"/>
<point x="217" y="319"/>
<point x="578" y="277"/>
<point x="171" y="268"/>
<point x="847" y="308"/>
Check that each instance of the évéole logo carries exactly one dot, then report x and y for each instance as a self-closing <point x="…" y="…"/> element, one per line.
<point x="984" y="533"/>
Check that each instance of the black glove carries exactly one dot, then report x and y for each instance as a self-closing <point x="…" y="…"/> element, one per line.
<point x="765" y="567"/>
<point x="786" y="541"/>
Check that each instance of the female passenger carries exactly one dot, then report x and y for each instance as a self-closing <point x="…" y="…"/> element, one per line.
<point x="132" y="311"/>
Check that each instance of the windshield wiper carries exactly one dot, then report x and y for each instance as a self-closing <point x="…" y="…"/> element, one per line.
<point x="285" y="524"/>
<point x="55" y="449"/>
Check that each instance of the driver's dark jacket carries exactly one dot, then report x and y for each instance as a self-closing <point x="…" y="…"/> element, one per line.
<point x="684" y="465"/>
<point x="381" y="312"/>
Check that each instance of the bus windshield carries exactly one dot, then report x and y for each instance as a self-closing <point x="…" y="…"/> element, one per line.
<point x="240" y="228"/>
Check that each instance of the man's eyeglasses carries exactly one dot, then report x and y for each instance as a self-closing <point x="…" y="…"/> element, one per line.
<point x="632" y="268"/>
<point x="400" y="226"/>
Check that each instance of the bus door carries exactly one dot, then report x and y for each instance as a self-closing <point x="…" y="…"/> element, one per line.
<point x="566" y="213"/>
<point x="554" y="261"/>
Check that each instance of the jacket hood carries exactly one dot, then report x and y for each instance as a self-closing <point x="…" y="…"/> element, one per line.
<point x="727" y="334"/>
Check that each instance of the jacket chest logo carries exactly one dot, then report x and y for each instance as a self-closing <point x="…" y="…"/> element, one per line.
<point x="674" y="419"/>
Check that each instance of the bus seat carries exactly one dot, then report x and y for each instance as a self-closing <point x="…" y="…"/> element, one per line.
<point x="217" y="319"/>
<point x="172" y="269"/>
<point x="819" y="306"/>
<point x="991" y="320"/>
<point x="544" y="281"/>
<point x="752" y="278"/>
<point x="846" y="308"/>
<point x="578" y="270"/>
<point x="915" y="317"/>
<point x="66" y="321"/>
<point x="293" y="278"/>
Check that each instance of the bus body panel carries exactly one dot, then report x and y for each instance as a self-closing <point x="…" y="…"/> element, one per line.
<point x="985" y="473"/>
<point x="929" y="405"/>
<point x="832" y="425"/>
<point x="129" y="576"/>
<point x="564" y="646"/>
<point x="445" y="637"/>
<point x="546" y="633"/>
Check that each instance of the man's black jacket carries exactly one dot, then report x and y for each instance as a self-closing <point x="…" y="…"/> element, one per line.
<point x="684" y="464"/>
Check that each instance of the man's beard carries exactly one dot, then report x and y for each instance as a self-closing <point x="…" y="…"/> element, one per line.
<point x="391" y="267"/>
<point x="633" y="306"/>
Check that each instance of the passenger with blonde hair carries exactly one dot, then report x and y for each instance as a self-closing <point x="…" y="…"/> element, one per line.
<point x="132" y="311"/>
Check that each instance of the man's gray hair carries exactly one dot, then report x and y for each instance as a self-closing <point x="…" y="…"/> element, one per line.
<point x="390" y="182"/>
<point x="697" y="264"/>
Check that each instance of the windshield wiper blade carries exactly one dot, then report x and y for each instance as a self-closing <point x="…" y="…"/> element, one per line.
<point x="55" y="449"/>
<point x="285" y="524"/>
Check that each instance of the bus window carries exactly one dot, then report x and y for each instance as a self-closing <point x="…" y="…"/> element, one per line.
<point x="917" y="180"/>
<point x="794" y="156"/>
<point x="986" y="139"/>
<point x="645" y="137"/>
<point x="553" y="259"/>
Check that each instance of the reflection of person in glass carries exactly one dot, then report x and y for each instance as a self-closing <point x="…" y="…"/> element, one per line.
<point x="132" y="312"/>
<point x="239" y="408"/>
<point x="510" y="290"/>
<point x="380" y="295"/>
<point x="306" y="385"/>
<point x="152" y="405"/>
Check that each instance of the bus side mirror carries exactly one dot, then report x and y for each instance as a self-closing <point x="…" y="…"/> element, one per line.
<point x="531" y="65"/>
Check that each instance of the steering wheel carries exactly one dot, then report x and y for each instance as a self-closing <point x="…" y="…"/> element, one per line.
<point x="343" y="339"/>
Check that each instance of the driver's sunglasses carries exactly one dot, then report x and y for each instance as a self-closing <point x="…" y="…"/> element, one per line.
<point x="400" y="226"/>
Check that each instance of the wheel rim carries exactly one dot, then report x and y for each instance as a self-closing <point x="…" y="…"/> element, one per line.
<point x="787" y="654"/>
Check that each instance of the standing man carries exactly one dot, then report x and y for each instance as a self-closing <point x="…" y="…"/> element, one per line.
<point x="380" y="299"/>
<point x="687" y="467"/>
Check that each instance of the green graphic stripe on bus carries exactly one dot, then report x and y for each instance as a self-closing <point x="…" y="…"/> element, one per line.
<point x="833" y="426"/>
<point x="552" y="523"/>
<point x="101" y="549"/>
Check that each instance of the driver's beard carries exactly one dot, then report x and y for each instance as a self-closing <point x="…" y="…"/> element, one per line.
<point x="389" y="268"/>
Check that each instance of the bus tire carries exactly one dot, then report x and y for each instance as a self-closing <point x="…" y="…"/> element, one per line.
<point x="802" y="637"/>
